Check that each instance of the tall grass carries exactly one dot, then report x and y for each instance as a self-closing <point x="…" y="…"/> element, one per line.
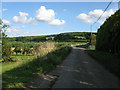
<point x="44" y="49"/>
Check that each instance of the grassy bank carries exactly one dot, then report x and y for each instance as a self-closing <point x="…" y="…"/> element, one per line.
<point x="15" y="77"/>
<point x="19" y="61"/>
<point x="109" y="61"/>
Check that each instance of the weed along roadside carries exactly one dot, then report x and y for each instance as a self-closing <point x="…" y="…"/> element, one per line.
<point x="23" y="73"/>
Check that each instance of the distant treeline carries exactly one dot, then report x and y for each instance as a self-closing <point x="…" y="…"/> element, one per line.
<point x="108" y="36"/>
<point x="72" y="36"/>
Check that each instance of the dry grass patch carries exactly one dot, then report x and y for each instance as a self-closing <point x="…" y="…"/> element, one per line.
<point x="44" y="49"/>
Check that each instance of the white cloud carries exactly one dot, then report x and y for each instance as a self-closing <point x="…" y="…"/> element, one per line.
<point x="43" y="14"/>
<point x="23" y="18"/>
<point x="19" y="27"/>
<point x="12" y="30"/>
<point x="23" y="14"/>
<point x="94" y="15"/>
<point x="85" y="18"/>
<point x="6" y="21"/>
<point x="57" y="22"/>
<point x="15" y="31"/>
<point x="32" y="21"/>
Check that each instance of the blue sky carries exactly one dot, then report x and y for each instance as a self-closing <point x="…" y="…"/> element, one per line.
<point x="63" y="17"/>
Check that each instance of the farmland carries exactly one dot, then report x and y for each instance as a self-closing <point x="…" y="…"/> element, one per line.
<point x="37" y="54"/>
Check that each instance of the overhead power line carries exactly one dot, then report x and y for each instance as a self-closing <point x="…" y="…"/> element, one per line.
<point x="103" y="12"/>
<point x="99" y="18"/>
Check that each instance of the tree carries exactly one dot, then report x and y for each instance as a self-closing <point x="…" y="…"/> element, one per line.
<point x="6" y="52"/>
<point x="26" y="49"/>
<point x="63" y="37"/>
<point x="17" y="50"/>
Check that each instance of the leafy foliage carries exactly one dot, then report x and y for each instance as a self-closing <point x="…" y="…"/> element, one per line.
<point x="6" y="52"/>
<point x="63" y="37"/>
<point x="108" y="37"/>
<point x="17" y="50"/>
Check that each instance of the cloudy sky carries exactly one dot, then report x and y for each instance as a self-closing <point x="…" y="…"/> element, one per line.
<point x="40" y="18"/>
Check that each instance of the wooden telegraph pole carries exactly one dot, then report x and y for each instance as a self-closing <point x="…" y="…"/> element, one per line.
<point x="91" y="34"/>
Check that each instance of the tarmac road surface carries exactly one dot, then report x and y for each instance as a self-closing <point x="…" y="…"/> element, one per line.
<point x="79" y="70"/>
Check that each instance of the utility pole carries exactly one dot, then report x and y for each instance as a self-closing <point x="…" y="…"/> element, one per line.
<point x="91" y="29"/>
<point x="91" y="34"/>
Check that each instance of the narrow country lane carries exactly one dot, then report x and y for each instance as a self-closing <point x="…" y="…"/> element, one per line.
<point x="78" y="70"/>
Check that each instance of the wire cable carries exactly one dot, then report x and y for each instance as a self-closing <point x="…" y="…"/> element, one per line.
<point x="103" y="12"/>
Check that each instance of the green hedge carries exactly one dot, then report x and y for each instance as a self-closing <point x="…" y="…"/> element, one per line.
<point x="108" y="37"/>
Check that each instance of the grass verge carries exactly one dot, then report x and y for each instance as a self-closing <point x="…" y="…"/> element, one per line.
<point x="109" y="61"/>
<point x="15" y="77"/>
<point x="6" y="66"/>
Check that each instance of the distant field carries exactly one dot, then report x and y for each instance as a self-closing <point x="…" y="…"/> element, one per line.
<point x="72" y="36"/>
